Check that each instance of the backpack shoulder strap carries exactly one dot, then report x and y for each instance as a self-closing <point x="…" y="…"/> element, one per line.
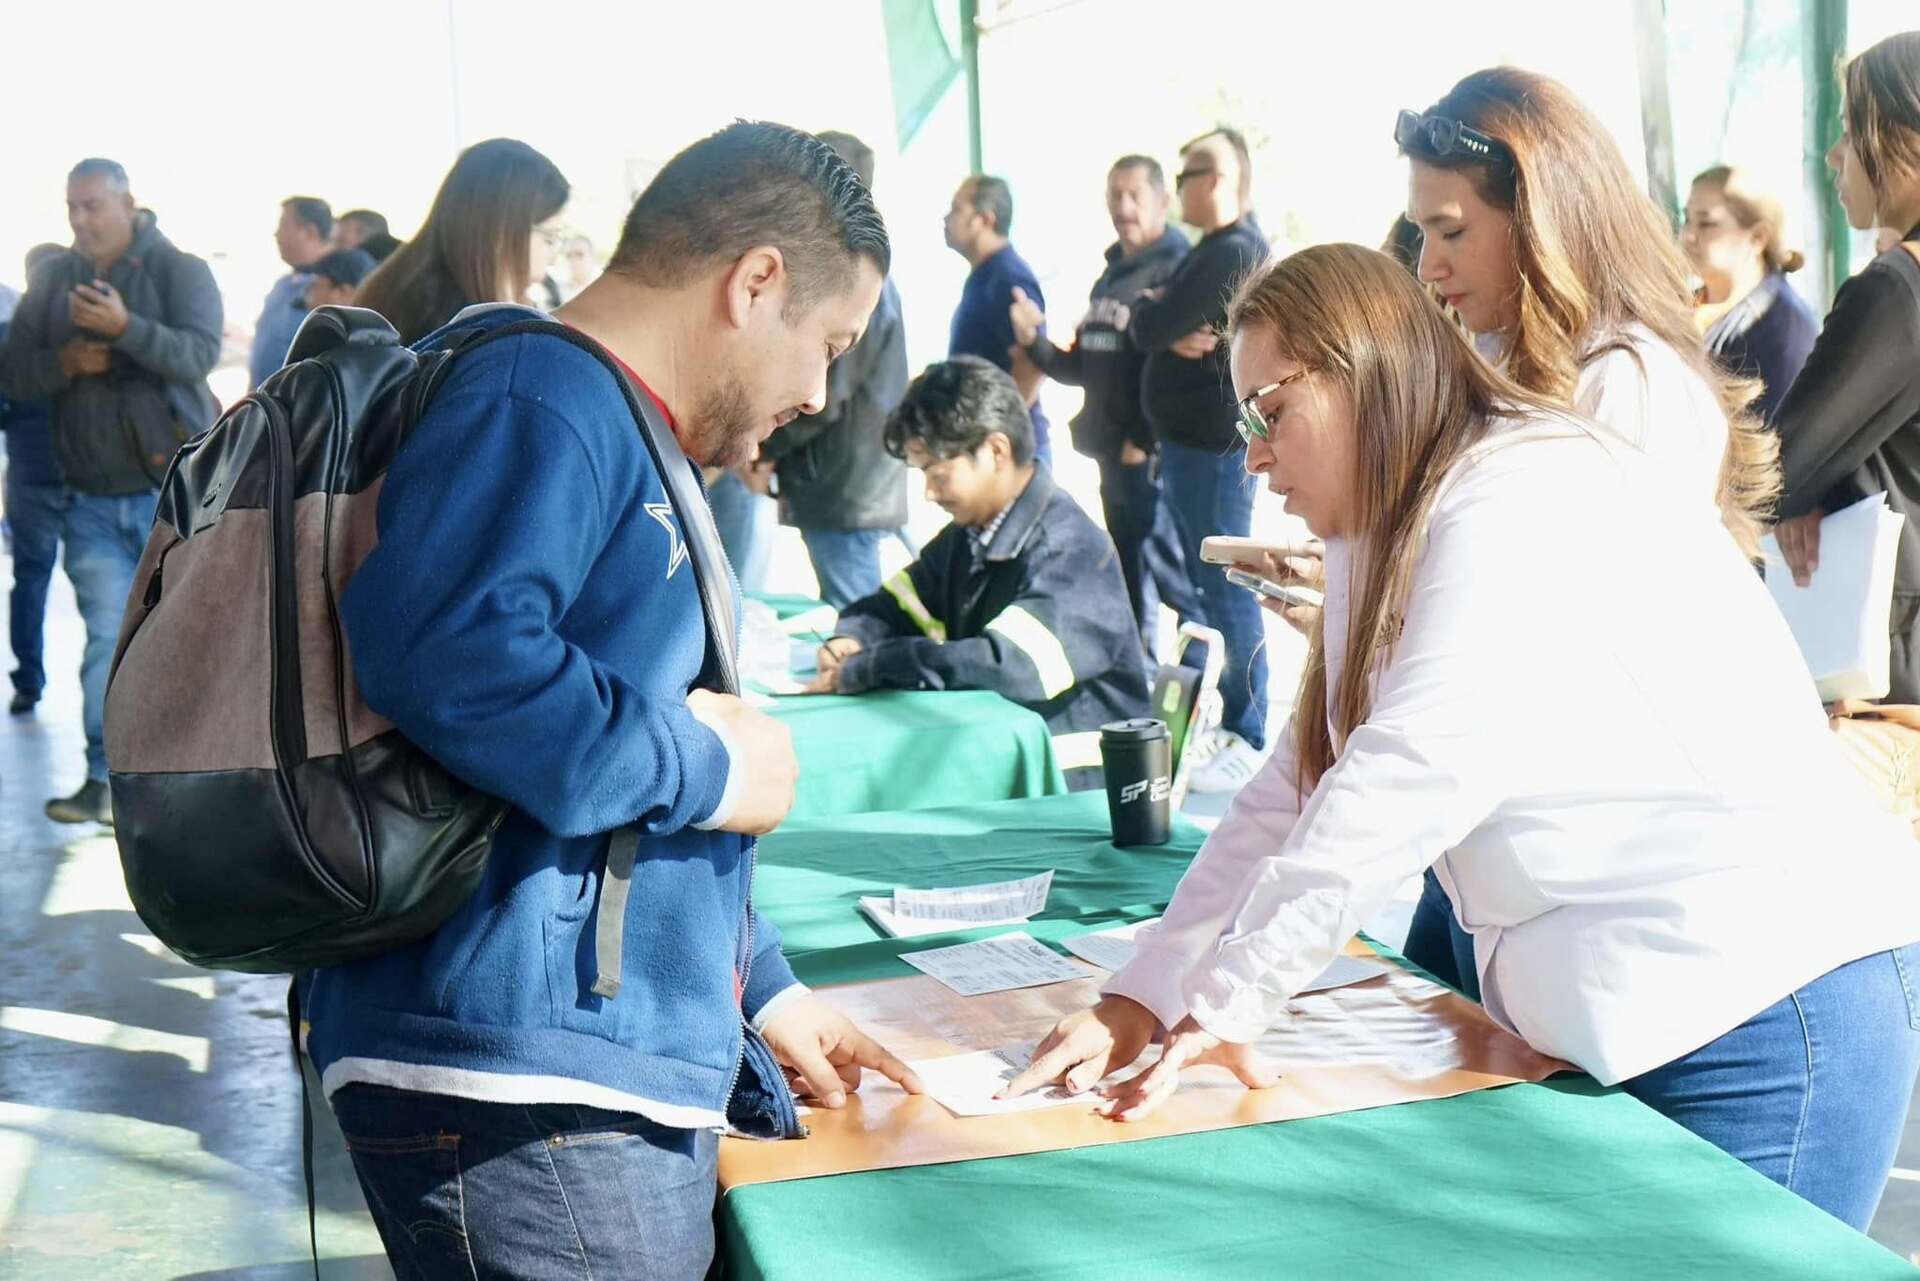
<point x="711" y="573"/>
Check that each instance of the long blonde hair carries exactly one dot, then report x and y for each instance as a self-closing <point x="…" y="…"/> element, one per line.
<point x="1420" y="397"/>
<point x="1595" y="254"/>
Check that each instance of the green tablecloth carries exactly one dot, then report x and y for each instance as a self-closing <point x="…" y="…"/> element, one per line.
<point x="903" y="750"/>
<point x="1564" y="1180"/>
<point x="811" y="872"/>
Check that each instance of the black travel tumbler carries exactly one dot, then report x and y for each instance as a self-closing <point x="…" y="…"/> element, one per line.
<point x="1138" y="758"/>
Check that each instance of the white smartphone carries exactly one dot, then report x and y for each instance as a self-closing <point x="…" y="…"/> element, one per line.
<point x="1295" y="597"/>
<point x="1226" y="549"/>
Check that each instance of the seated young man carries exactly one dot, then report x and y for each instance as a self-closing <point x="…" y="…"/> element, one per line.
<point x="1021" y="594"/>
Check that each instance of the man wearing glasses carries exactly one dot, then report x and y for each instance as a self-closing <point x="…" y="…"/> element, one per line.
<point x="1189" y="401"/>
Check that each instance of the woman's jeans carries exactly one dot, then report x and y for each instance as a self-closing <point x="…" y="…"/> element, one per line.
<point x="545" y="1192"/>
<point x="1812" y="1091"/>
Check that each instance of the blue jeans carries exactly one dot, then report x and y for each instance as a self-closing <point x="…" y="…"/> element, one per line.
<point x="1812" y="1091"/>
<point x="1211" y="493"/>
<point x="746" y="522"/>
<point x="1437" y="943"/>
<point x="34" y="513"/>
<point x="104" y="538"/>
<point x="462" y="1189"/>
<point x="1151" y="559"/>
<point x="847" y="561"/>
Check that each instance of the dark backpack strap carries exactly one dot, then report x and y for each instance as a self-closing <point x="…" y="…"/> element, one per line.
<point x="610" y="926"/>
<point x="306" y="1121"/>
<point x="712" y="576"/>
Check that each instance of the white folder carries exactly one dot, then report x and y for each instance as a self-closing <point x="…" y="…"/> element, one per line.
<point x="1841" y="618"/>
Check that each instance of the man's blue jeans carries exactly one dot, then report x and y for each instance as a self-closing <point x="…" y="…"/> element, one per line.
<point x="542" y="1192"/>
<point x="1211" y="493"/>
<point x="847" y="561"/>
<point x="1151" y="559"/>
<point x="34" y="513"/>
<point x="104" y="538"/>
<point x="1812" y="1091"/>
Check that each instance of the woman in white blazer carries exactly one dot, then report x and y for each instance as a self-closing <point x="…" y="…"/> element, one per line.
<point x="1573" y="284"/>
<point x="1544" y="675"/>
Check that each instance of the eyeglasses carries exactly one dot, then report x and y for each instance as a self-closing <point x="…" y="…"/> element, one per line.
<point x="1445" y="136"/>
<point x="1252" y="422"/>
<point x="1180" y="178"/>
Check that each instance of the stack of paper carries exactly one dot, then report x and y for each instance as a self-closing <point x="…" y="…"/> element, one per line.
<point x="911" y="913"/>
<point x="1840" y="618"/>
<point x="1111" y="949"/>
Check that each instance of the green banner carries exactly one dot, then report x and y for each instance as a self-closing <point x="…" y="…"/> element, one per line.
<point x="921" y="63"/>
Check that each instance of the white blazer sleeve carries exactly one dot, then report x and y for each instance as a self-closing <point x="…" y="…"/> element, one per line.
<point x="1432" y="761"/>
<point x="1257" y="823"/>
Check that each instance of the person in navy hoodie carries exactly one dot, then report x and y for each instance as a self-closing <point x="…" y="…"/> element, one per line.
<point x="531" y="619"/>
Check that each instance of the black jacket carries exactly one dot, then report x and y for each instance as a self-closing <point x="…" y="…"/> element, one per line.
<point x="1041" y="618"/>
<point x="115" y="433"/>
<point x="1850" y="425"/>
<point x="1190" y="402"/>
<point x="1102" y="359"/>
<point x="834" y="469"/>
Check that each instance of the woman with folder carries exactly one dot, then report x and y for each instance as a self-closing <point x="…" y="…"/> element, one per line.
<point x="1850" y="425"/>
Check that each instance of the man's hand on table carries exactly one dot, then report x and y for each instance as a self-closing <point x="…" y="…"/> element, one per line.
<point x="828" y="661"/>
<point x="1085" y="1048"/>
<point x="823" y="1052"/>
<point x="768" y="770"/>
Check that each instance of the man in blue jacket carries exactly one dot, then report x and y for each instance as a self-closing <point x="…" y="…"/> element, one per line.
<point x="36" y="502"/>
<point x="531" y="618"/>
<point x="303" y="236"/>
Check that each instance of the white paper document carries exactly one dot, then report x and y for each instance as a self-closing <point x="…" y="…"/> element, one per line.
<point x="880" y="912"/>
<point x="1111" y="949"/>
<point x="1840" y="618"/>
<point x="976" y="904"/>
<point x="964" y="1084"/>
<point x="998" y="964"/>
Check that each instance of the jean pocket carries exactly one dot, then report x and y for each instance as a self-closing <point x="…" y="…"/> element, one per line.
<point x="414" y="1190"/>
<point x="566" y="1125"/>
<point x="1906" y="963"/>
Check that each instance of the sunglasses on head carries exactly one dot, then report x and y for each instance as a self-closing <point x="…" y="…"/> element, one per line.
<point x="1445" y="136"/>
<point x="1253" y="423"/>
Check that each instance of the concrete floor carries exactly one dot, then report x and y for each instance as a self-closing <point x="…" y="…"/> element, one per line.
<point x="149" y="1111"/>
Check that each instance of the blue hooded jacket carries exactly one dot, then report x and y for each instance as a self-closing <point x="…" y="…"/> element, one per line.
<point x="530" y="619"/>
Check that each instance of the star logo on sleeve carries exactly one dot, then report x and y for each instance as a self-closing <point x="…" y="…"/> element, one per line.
<point x="663" y="512"/>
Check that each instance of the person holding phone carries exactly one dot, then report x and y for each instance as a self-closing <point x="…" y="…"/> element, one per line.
<point x="1637" y="858"/>
<point x="120" y="334"/>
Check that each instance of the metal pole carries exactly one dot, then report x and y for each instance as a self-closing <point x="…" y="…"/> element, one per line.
<point x="1824" y="43"/>
<point x="1656" y="111"/>
<point x="970" y="55"/>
